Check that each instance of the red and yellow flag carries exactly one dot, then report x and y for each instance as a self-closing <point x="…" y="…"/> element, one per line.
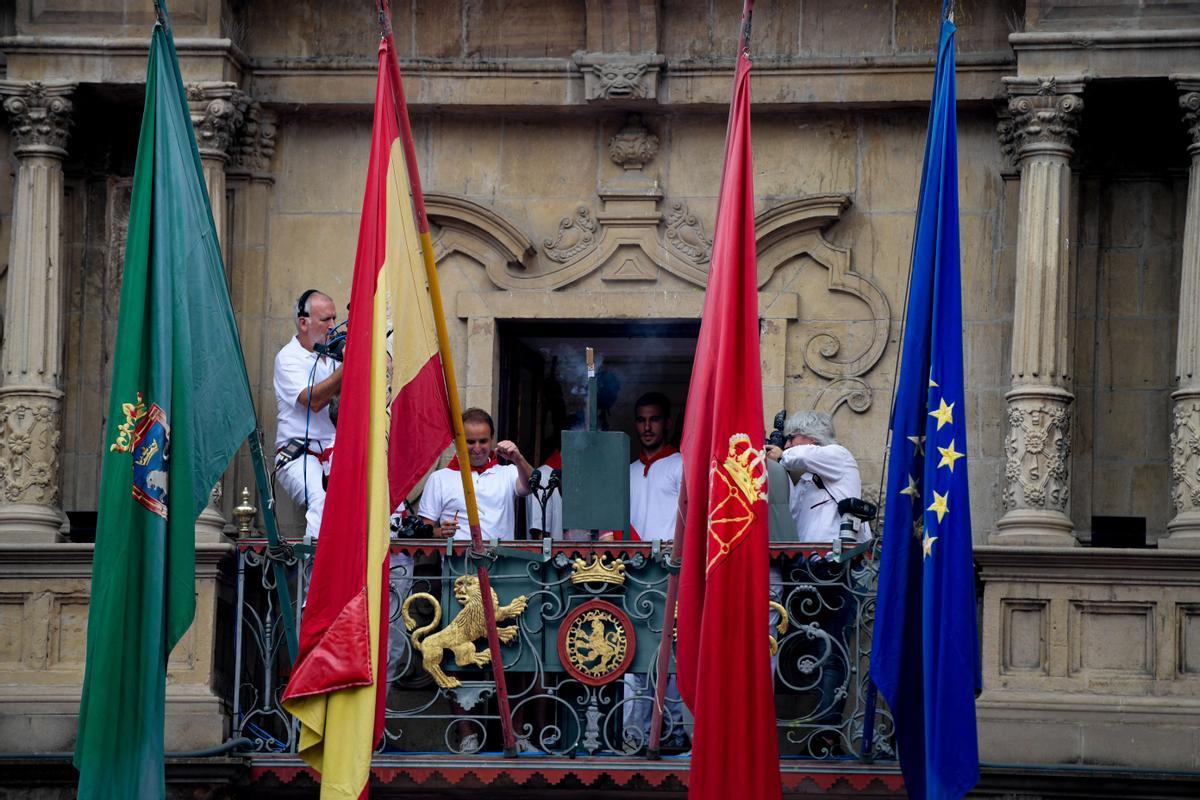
<point x="722" y="656"/>
<point x="337" y="688"/>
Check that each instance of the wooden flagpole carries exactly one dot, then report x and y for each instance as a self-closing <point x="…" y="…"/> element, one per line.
<point x="672" y="599"/>
<point x="460" y="439"/>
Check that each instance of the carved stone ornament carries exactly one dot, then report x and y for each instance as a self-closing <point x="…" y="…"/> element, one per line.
<point x="1038" y="447"/>
<point x="1185" y="456"/>
<point x="619" y="78"/>
<point x="217" y="113"/>
<point x="30" y="427"/>
<point x="40" y="116"/>
<point x="1044" y="112"/>
<point x="255" y="144"/>
<point x="576" y="235"/>
<point x="1006" y="133"/>
<point x="685" y="232"/>
<point x="634" y="146"/>
<point x="1189" y="104"/>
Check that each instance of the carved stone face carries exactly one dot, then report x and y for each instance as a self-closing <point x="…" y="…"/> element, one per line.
<point x="622" y="80"/>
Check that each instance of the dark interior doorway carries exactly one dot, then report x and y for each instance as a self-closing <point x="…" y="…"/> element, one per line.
<point x="543" y="375"/>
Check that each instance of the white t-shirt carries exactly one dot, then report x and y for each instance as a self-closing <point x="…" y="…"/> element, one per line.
<point x="654" y="496"/>
<point x="812" y="507"/>
<point x="293" y="374"/>
<point x="495" y="489"/>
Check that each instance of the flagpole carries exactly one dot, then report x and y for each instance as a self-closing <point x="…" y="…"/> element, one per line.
<point x="460" y="438"/>
<point x="672" y="599"/>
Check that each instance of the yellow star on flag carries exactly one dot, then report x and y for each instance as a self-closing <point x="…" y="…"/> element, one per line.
<point x="912" y="490"/>
<point x="949" y="456"/>
<point x="939" y="505"/>
<point x="944" y="413"/>
<point x="932" y="383"/>
<point x="927" y="544"/>
<point x="918" y="442"/>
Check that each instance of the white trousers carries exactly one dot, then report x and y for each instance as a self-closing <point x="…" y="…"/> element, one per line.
<point x="301" y="475"/>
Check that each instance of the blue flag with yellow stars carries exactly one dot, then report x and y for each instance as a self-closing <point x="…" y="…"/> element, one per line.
<point x="925" y="655"/>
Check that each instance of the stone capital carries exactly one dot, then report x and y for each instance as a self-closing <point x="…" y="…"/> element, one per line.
<point x="1189" y="105"/>
<point x="218" y="109"/>
<point x="40" y="116"/>
<point x="1045" y="114"/>
<point x="255" y="144"/>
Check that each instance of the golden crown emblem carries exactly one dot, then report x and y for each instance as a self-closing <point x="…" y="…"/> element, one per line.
<point x="598" y="571"/>
<point x="748" y="468"/>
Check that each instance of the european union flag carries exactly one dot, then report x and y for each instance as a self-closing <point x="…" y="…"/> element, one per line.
<point x="925" y="655"/>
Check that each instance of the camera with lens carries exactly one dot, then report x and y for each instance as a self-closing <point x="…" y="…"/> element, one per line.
<point x="854" y="512"/>
<point x="776" y="437"/>
<point x="411" y="527"/>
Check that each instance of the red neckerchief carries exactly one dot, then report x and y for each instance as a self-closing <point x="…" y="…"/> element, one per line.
<point x="555" y="460"/>
<point x="663" y="452"/>
<point x="491" y="462"/>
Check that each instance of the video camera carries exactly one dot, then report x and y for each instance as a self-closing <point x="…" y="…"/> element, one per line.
<point x="334" y="345"/>
<point x="411" y="527"/>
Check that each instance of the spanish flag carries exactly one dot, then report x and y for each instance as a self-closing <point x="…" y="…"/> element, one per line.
<point x="337" y="688"/>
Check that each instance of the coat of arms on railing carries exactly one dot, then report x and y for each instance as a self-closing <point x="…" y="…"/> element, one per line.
<point x="596" y="642"/>
<point x="459" y="636"/>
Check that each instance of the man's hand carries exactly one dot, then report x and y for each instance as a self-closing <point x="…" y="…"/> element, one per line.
<point x="508" y="450"/>
<point x="447" y="527"/>
<point x="774" y="452"/>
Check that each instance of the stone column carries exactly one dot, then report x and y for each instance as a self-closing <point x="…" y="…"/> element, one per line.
<point x="1045" y="119"/>
<point x="30" y="394"/>
<point x="217" y="109"/>
<point x="1184" y="529"/>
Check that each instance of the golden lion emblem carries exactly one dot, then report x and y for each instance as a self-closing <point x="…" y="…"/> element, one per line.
<point x="460" y="635"/>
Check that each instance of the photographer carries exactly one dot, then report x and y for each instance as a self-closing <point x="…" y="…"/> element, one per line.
<point x="306" y="381"/>
<point x="824" y="473"/>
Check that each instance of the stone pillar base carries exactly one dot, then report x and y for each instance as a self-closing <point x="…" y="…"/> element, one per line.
<point x="1183" y="532"/>
<point x="29" y="523"/>
<point x="1024" y="527"/>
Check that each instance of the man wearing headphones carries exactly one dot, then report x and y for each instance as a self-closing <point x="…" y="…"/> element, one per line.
<point x="305" y="384"/>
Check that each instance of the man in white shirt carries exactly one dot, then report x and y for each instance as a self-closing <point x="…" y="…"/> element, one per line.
<point x="305" y="384"/>
<point x="654" y="480"/>
<point x="496" y="486"/>
<point x="824" y="473"/>
<point x="655" y="477"/>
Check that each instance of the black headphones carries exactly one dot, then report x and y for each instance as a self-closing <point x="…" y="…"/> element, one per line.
<point x="300" y="310"/>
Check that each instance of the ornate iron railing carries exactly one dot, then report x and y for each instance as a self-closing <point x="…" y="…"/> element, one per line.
<point x="583" y="627"/>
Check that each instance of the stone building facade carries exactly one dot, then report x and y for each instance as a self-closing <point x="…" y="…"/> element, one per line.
<point x="571" y="152"/>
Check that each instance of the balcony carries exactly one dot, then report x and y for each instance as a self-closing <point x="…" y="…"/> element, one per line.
<point x="584" y="638"/>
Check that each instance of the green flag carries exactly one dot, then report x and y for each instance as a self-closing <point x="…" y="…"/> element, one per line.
<point x="179" y="410"/>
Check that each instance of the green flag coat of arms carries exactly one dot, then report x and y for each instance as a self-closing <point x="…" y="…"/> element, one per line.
<point x="179" y="410"/>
